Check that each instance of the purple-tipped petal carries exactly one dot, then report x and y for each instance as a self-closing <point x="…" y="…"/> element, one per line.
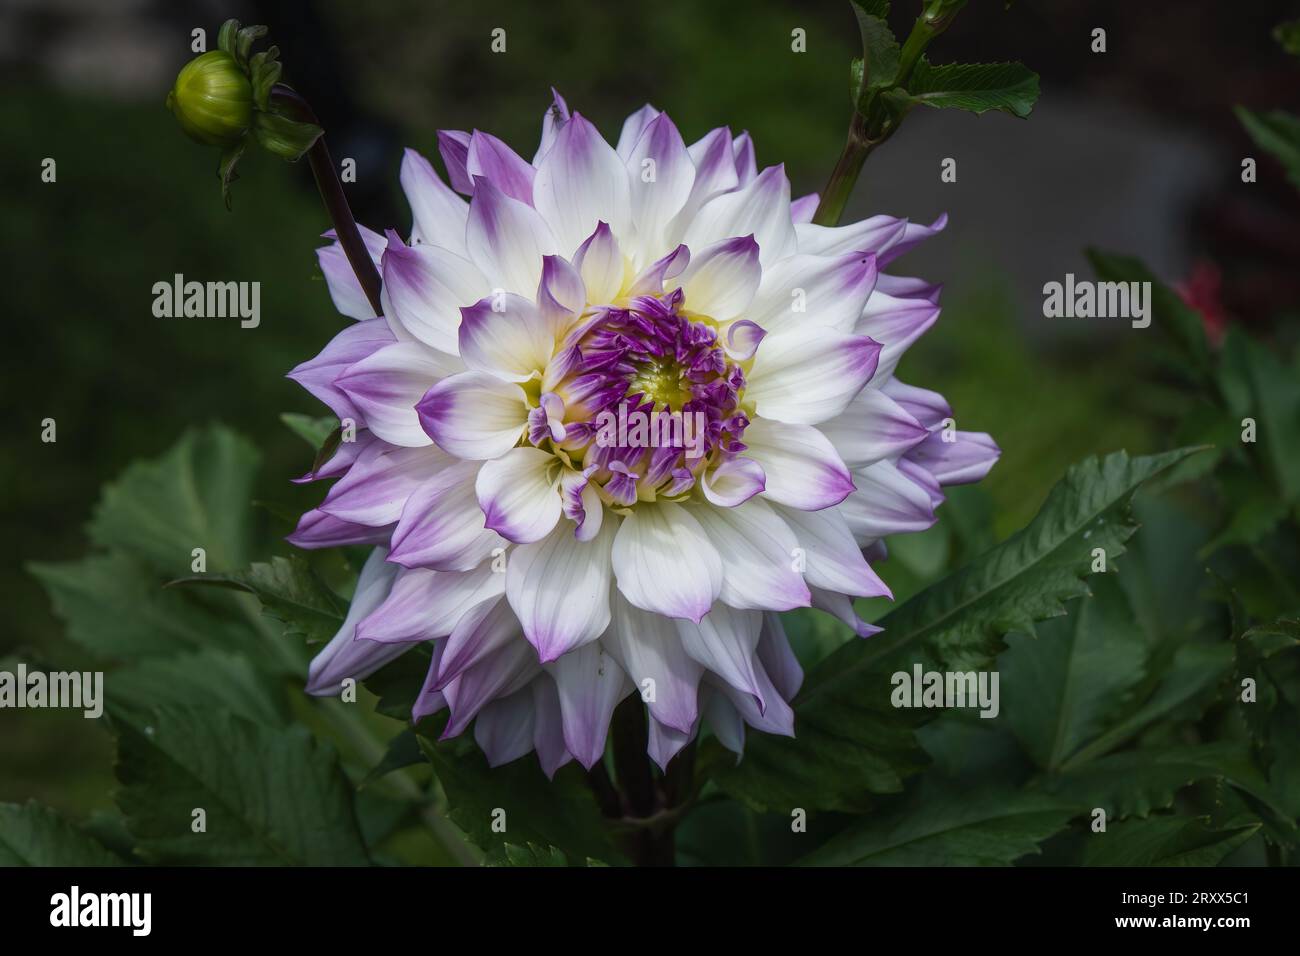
<point x="519" y="494"/>
<point x="320" y="375"/>
<point x="474" y="415"/>
<point x="559" y="588"/>
<point x="803" y="468"/>
<point x="489" y="158"/>
<point x="590" y="684"/>
<point x="340" y="278"/>
<point x="761" y="569"/>
<point x="453" y="144"/>
<point x="439" y="214"/>
<point x="581" y="182"/>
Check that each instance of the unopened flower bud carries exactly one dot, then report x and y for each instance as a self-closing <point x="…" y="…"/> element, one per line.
<point x="213" y="99"/>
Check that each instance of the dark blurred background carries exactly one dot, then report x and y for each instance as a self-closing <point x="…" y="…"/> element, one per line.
<point x="1135" y="150"/>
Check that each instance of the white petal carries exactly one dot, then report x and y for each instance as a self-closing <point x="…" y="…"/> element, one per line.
<point x="386" y="386"/>
<point x="590" y="684"/>
<point x="873" y="427"/>
<point x="426" y="287"/>
<point x="801" y="466"/>
<point x="507" y="240"/>
<point x="665" y="562"/>
<point x="831" y="558"/>
<point x="559" y="588"/>
<point x="760" y="556"/>
<point x="725" y="642"/>
<point x="439" y="214"/>
<point x="474" y="415"/>
<point x="581" y="182"/>
<point x="760" y="208"/>
<point x="519" y="494"/>
<point x="660" y="174"/>
<point x="721" y="279"/>
<point x="505" y="336"/>
<point x="809" y="375"/>
<point x="648" y="649"/>
<point x="808" y="291"/>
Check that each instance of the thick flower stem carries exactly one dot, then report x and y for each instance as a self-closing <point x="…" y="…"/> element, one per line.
<point x="648" y="846"/>
<point x="336" y="202"/>
<point x="845" y="175"/>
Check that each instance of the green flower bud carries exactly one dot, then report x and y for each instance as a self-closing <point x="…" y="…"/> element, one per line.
<point x="213" y="99"/>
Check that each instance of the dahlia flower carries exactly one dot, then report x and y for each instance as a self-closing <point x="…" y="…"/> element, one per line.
<point x="625" y="405"/>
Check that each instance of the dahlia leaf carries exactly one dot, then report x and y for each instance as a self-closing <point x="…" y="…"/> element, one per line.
<point x="850" y="741"/>
<point x="1194" y="671"/>
<point x="516" y="804"/>
<point x="35" y="835"/>
<point x="1165" y="841"/>
<point x="196" y="495"/>
<point x="1278" y="133"/>
<point x="216" y="678"/>
<point x="941" y="824"/>
<point x="290" y="592"/>
<point x="530" y="854"/>
<point x="1136" y="782"/>
<point x="1262" y="386"/>
<point x="974" y="87"/>
<point x="878" y="66"/>
<point x="1073" y="675"/>
<point x="269" y="795"/>
<point x="119" y="610"/>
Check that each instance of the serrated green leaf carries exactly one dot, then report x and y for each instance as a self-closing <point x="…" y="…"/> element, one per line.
<point x="1069" y="678"/>
<point x="207" y="677"/>
<point x="940" y="824"/>
<point x="1266" y="388"/>
<point x="33" y="835"/>
<point x="118" y="610"/>
<point x="850" y="741"/>
<point x="974" y="87"/>
<point x="196" y="495"/>
<point x="1136" y="782"/>
<point x="1184" y="686"/>
<point x="272" y="795"/>
<point x="530" y="854"/>
<point x="1164" y="841"/>
<point x="560" y="812"/>
<point x="1277" y="132"/>
<point x="290" y="592"/>
<point x="878" y="67"/>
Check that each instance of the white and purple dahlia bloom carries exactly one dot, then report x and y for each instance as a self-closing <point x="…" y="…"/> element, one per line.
<point x="624" y="406"/>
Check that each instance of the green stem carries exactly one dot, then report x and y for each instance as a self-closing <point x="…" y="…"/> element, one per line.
<point x="845" y="174"/>
<point x="866" y="133"/>
<point x="336" y="201"/>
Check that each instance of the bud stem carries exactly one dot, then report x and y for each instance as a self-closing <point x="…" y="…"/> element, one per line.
<point x="332" y="195"/>
<point x="866" y="133"/>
